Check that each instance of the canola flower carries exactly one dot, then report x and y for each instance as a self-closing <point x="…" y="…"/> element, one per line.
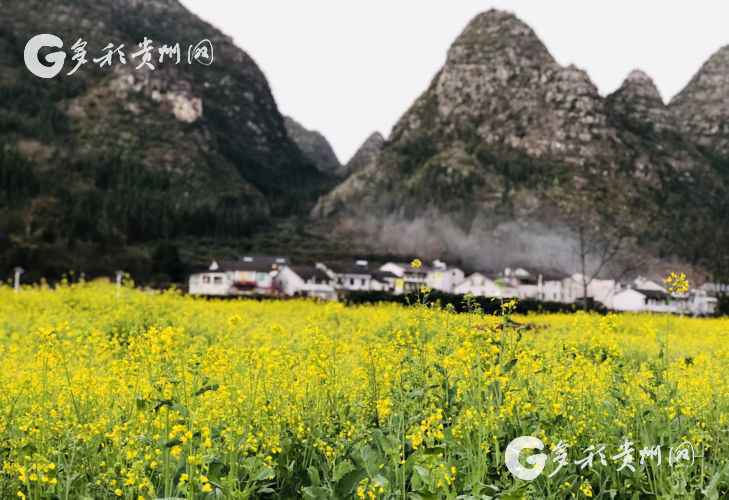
<point x="129" y="394"/>
<point x="677" y="283"/>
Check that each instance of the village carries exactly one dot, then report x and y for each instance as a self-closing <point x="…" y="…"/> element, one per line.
<point x="276" y="276"/>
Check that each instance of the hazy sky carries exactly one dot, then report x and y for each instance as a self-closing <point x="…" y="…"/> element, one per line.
<point x="348" y="68"/>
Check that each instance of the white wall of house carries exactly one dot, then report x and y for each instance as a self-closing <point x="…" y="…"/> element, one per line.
<point x="527" y="291"/>
<point x="603" y="291"/>
<point x="551" y="291"/>
<point x="479" y="285"/>
<point x="444" y="280"/>
<point x="571" y="290"/>
<point x="506" y="289"/>
<point x="666" y="306"/>
<point x="385" y="285"/>
<point x="702" y="303"/>
<point x="629" y="300"/>
<point x="289" y="282"/>
<point x="213" y="284"/>
<point x="354" y="282"/>
<point x="292" y="284"/>
<point x="412" y="279"/>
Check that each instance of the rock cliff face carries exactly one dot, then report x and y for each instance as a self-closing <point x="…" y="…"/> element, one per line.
<point x="367" y="153"/>
<point x="639" y="101"/>
<point x="314" y="146"/>
<point x="702" y="108"/>
<point x="507" y="151"/>
<point x="118" y="155"/>
<point x="500" y="83"/>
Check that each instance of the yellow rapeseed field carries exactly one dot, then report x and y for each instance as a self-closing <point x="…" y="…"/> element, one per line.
<point x="110" y="393"/>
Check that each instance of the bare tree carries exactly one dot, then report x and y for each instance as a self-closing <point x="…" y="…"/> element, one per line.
<point x="604" y="233"/>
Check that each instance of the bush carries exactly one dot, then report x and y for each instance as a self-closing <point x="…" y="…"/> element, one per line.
<point x="459" y="303"/>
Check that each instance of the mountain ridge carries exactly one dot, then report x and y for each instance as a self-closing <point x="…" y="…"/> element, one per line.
<point x="96" y="163"/>
<point x="315" y="147"/>
<point x="507" y="153"/>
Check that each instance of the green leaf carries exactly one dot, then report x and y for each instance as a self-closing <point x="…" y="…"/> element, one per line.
<point x="346" y="486"/>
<point x="510" y="365"/>
<point x="264" y="472"/>
<point x="342" y="469"/>
<point x="316" y="493"/>
<point x="422" y="472"/>
<point x="314" y="476"/>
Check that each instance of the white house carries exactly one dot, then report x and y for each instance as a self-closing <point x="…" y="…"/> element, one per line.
<point x="210" y="284"/>
<point x="357" y="277"/>
<point x="251" y="275"/>
<point x="649" y="300"/>
<point x="550" y="287"/>
<point x="306" y="281"/>
<point x="703" y="303"/>
<point x="438" y="276"/>
<point x="517" y="283"/>
<point x="600" y="290"/>
<point x="629" y="300"/>
<point x="442" y="277"/>
<point x="385" y="281"/>
<point x="412" y="279"/>
<point x="479" y="285"/>
<point x="652" y="299"/>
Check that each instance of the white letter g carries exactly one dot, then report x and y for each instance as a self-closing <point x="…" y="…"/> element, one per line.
<point x="55" y="59"/>
<point x="538" y="461"/>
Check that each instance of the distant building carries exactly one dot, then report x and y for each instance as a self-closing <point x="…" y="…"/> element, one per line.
<point x="645" y="300"/>
<point x="600" y="290"/>
<point x="479" y="285"/>
<point x="385" y="281"/>
<point x="518" y="283"/>
<point x="250" y="275"/>
<point x="306" y="281"/>
<point x="550" y="286"/>
<point x="350" y="278"/>
<point x="210" y="284"/>
<point x="413" y="279"/>
<point x="652" y="299"/>
<point x="443" y="277"/>
<point x="703" y="303"/>
<point x="438" y="276"/>
<point x="629" y="300"/>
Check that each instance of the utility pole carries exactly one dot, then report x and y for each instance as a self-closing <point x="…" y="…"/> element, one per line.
<point x="16" y="282"/>
<point x="119" y="278"/>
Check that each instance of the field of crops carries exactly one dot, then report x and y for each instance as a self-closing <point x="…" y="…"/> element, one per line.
<point x="112" y="393"/>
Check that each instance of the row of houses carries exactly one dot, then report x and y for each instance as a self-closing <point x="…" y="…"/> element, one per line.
<point x="277" y="276"/>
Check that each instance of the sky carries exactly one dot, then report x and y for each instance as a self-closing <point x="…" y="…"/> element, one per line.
<point x="349" y="68"/>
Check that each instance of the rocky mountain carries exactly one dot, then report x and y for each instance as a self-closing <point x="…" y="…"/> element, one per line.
<point x="106" y="158"/>
<point x="314" y="146"/>
<point x="367" y="153"/>
<point x="509" y="157"/>
<point x="702" y="108"/>
<point x="639" y="102"/>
